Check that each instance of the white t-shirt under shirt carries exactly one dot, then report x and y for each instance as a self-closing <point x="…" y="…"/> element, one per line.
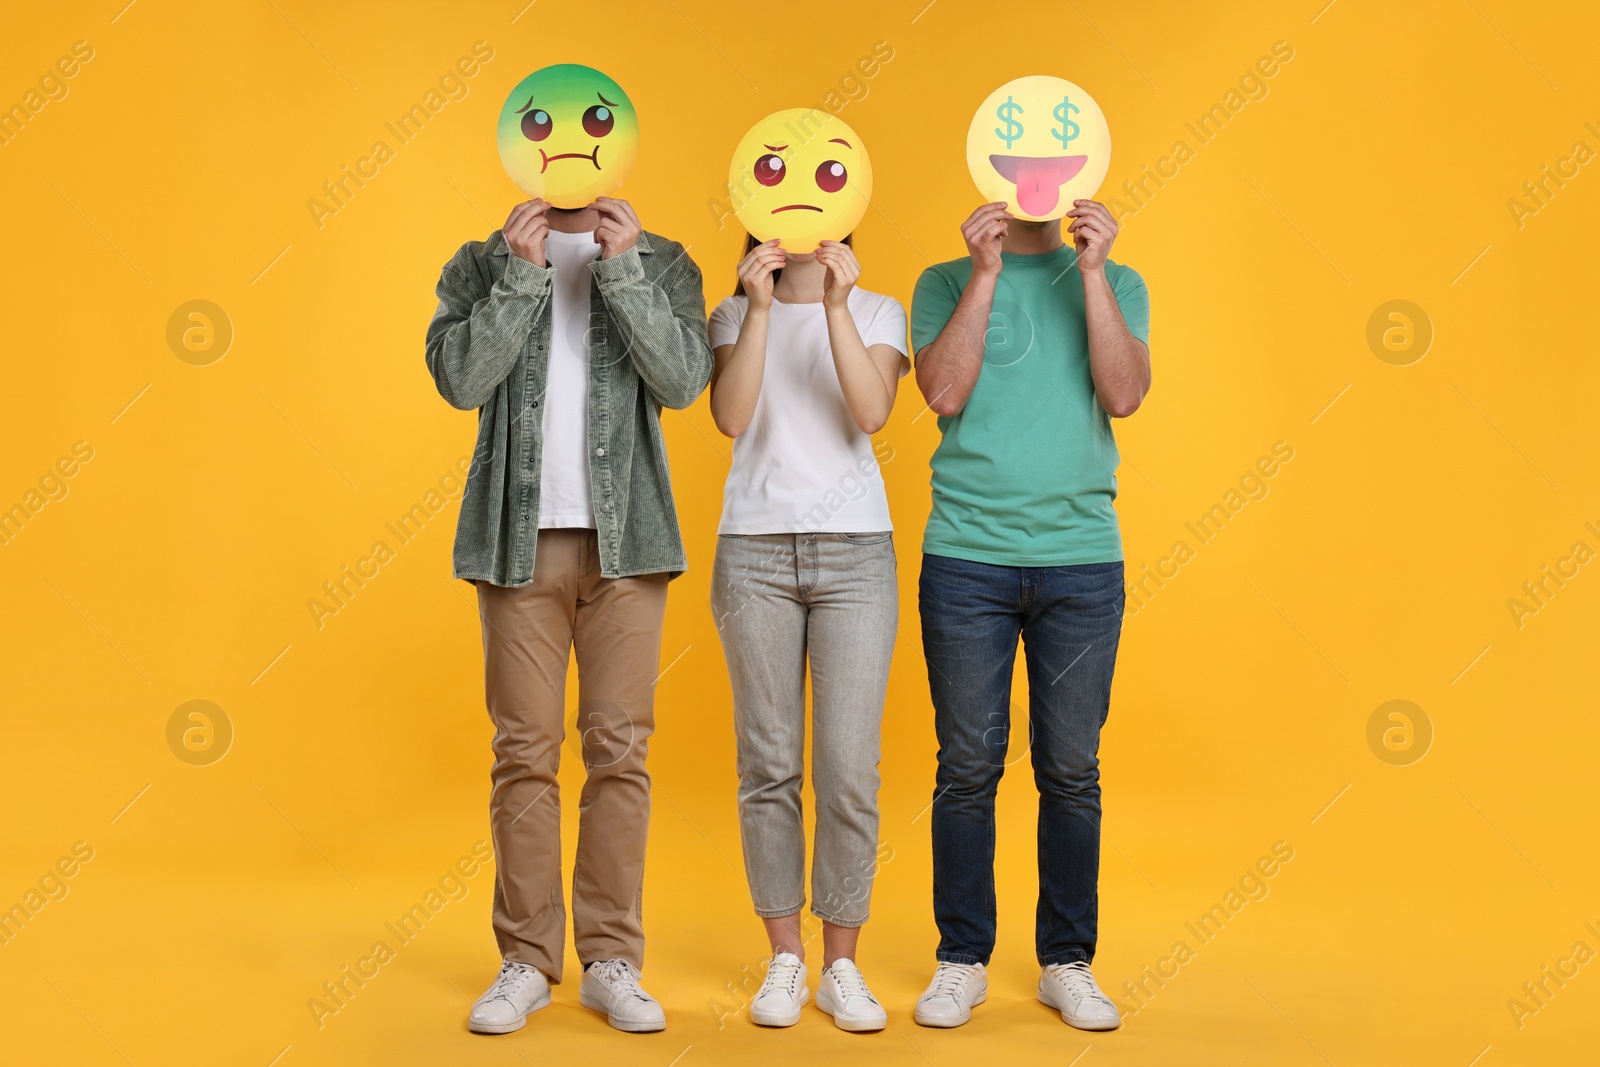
<point x="565" y="499"/>
<point x="803" y="465"/>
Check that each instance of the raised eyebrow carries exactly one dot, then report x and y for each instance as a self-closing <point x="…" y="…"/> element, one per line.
<point x="603" y="100"/>
<point x="526" y="106"/>
<point x="840" y="140"/>
<point x="775" y="147"/>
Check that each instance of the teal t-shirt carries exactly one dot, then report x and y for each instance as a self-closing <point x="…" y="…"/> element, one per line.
<point x="1025" y="475"/>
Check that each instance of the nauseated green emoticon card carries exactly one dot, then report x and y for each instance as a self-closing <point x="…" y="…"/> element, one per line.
<point x="568" y="134"/>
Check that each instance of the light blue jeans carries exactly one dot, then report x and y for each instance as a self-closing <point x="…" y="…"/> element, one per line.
<point x="779" y="601"/>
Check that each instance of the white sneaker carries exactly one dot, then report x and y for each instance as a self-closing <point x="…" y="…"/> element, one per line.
<point x="611" y="987"/>
<point x="518" y="991"/>
<point x="1071" y="988"/>
<point x="782" y="994"/>
<point x="843" y="994"/>
<point x="956" y="989"/>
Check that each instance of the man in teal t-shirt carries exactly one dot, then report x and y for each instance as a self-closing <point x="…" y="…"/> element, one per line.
<point x="1026" y="350"/>
<point x="1026" y="473"/>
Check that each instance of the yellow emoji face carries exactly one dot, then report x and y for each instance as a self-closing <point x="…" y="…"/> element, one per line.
<point x="1038" y="143"/>
<point x="802" y="176"/>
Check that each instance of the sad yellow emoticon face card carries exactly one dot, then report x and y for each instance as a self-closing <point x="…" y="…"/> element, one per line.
<point x="801" y="175"/>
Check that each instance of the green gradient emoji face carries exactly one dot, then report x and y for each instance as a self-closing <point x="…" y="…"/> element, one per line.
<point x="568" y="134"/>
<point x="801" y="175"/>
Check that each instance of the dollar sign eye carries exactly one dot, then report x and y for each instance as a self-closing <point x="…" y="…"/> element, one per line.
<point x="769" y="170"/>
<point x="831" y="176"/>
<point x="598" y="121"/>
<point x="536" y="125"/>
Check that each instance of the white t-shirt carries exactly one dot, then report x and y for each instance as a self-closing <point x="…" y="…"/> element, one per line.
<point x="803" y="465"/>
<point x="565" y="499"/>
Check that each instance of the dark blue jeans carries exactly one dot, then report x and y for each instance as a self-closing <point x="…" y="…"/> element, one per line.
<point x="1070" y="622"/>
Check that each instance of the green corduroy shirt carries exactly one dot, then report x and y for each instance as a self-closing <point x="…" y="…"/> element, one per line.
<point x="488" y="348"/>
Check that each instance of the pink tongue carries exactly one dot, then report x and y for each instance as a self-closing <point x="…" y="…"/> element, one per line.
<point x="1038" y="178"/>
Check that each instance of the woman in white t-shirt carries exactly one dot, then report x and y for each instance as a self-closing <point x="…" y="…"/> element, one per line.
<point x="807" y="366"/>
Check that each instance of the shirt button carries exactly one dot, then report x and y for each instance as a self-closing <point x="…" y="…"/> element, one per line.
<point x="599" y="451"/>
<point x="605" y="507"/>
<point x="533" y="403"/>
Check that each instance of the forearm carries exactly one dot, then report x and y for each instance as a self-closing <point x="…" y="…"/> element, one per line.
<point x="948" y="368"/>
<point x="1118" y="361"/>
<point x="472" y="344"/>
<point x="736" y="386"/>
<point x="866" y="395"/>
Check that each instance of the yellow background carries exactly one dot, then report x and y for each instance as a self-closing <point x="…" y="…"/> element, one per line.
<point x="220" y="898"/>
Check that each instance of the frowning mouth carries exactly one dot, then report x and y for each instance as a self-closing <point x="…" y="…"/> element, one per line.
<point x="592" y="157"/>
<point x="1038" y="178"/>
<point x="797" y="207"/>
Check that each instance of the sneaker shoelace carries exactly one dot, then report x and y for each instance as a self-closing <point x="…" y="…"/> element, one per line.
<point x="950" y="980"/>
<point x="621" y="978"/>
<point x="513" y="978"/>
<point x="851" y="983"/>
<point x="1077" y="979"/>
<point x="781" y="974"/>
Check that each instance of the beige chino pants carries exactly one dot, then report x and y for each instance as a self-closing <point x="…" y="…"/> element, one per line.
<point x="614" y="627"/>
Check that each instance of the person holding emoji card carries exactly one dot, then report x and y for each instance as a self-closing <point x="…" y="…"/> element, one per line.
<point x="807" y="366"/>
<point x="568" y="330"/>
<point x="1026" y="348"/>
